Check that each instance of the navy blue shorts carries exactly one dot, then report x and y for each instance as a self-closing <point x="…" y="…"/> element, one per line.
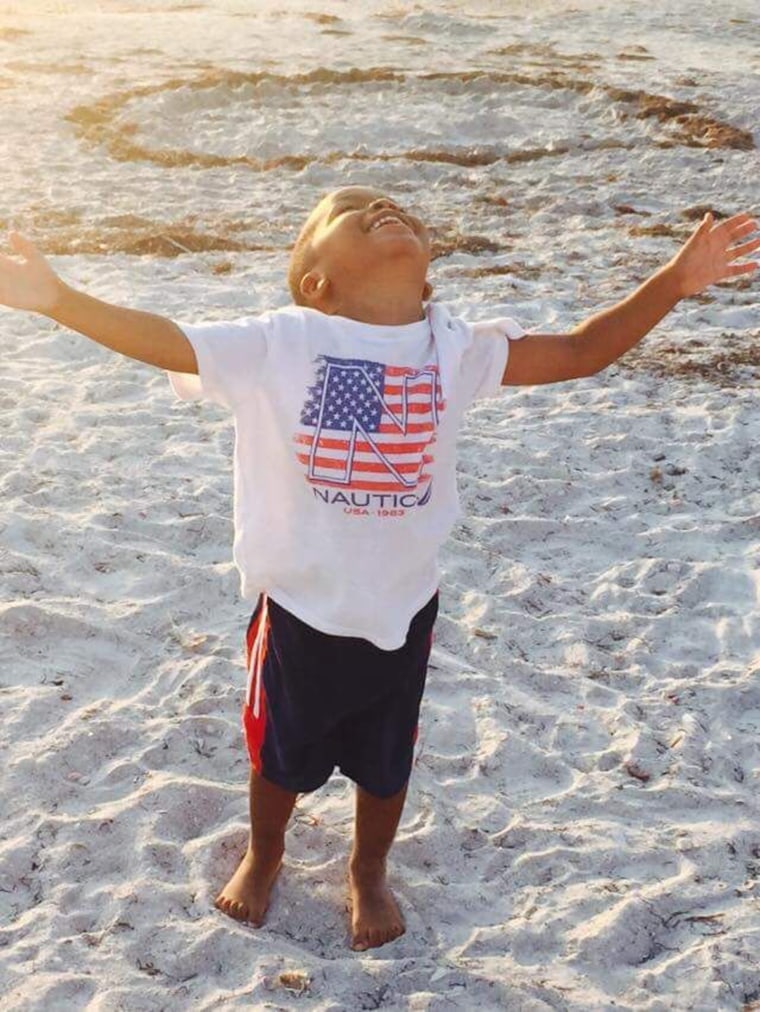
<point x="315" y="701"/>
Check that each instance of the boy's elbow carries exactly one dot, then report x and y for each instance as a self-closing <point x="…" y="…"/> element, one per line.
<point x="586" y="365"/>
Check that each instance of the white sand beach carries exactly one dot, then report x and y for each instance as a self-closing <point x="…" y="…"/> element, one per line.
<point x="582" y="828"/>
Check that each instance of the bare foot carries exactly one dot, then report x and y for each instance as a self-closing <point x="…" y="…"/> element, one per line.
<point x="375" y="915"/>
<point x="246" y="895"/>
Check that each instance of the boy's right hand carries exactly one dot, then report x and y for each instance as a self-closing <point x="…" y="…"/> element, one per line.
<point x="32" y="284"/>
<point x="146" y="337"/>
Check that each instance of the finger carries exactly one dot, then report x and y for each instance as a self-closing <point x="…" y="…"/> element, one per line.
<point x="25" y="246"/>
<point x="742" y="251"/>
<point x="734" y="220"/>
<point x="704" y="226"/>
<point x="745" y="228"/>
<point x="741" y="269"/>
<point x="15" y="240"/>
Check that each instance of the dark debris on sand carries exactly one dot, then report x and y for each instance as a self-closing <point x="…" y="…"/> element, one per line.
<point x="723" y="363"/>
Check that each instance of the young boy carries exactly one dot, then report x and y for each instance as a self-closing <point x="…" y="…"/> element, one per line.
<point x="346" y="408"/>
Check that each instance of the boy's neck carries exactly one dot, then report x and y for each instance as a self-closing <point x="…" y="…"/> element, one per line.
<point x="385" y="319"/>
<point x="386" y="313"/>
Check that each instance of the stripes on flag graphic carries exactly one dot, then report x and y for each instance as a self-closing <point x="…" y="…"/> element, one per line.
<point x="367" y="429"/>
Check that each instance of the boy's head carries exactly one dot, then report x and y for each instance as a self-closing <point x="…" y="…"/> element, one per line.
<point x="345" y="257"/>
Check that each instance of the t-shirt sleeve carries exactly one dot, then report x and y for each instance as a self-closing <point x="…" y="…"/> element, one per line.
<point x="231" y="357"/>
<point x="484" y="361"/>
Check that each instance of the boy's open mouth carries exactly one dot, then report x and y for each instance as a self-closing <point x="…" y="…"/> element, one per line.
<point x="386" y="219"/>
<point x="388" y="224"/>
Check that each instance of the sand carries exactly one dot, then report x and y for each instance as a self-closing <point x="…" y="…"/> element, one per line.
<point x="582" y="828"/>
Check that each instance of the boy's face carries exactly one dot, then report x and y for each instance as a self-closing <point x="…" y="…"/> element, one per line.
<point x="352" y="248"/>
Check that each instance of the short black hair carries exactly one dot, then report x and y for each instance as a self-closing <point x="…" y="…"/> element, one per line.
<point x="302" y="258"/>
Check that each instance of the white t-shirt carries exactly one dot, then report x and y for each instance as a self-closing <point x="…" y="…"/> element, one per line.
<point x="344" y="461"/>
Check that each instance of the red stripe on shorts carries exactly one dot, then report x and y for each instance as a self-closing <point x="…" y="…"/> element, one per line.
<point x="254" y="728"/>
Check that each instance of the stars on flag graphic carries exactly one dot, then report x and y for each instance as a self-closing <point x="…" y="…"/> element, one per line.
<point x="369" y="427"/>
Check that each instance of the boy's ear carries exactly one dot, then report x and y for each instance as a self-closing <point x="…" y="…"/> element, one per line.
<point x="427" y="291"/>
<point x="312" y="284"/>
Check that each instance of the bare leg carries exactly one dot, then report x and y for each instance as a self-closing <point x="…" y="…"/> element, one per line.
<point x="376" y="918"/>
<point x="246" y="895"/>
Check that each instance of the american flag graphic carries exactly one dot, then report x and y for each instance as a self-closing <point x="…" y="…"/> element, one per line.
<point x="369" y="426"/>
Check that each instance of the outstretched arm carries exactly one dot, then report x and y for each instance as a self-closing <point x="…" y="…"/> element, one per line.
<point x="703" y="260"/>
<point x="33" y="285"/>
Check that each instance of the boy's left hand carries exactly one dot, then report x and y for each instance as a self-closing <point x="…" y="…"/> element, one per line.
<point x="705" y="258"/>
